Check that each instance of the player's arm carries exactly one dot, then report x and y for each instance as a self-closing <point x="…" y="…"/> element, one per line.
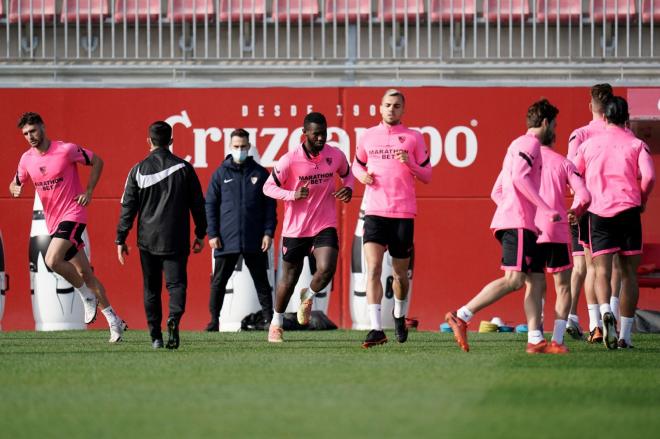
<point x="573" y="143"/>
<point x="496" y="192"/>
<point x="16" y="184"/>
<point x="522" y="166"/>
<point x="197" y="209"/>
<point x="359" y="168"/>
<point x="646" y="172"/>
<point x="581" y="196"/>
<point x="347" y="180"/>
<point x="420" y="166"/>
<point x="212" y="204"/>
<point x="79" y="154"/>
<point x="129" y="209"/>
<point x="578" y="160"/>
<point x="274" y="186"/>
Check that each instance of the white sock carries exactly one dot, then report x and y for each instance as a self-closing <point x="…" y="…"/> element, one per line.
<point x="574" y="318"/>
<point x="400" y="307"/>
<point x="605" y="307"/>
<point x="594" y="316"/>
<point x="374" y="316"/>
<point x="464" y="314"/>
<point x="558" y="332"/>
<point x="86" y="292"/>
<point x="110" y="315"/>
<point x="535" y="337"/>
<point x="278" y="319"/>
<point x="309" y="293"/>
<point x="614" y="304"/>
<point x="626" y="329"/>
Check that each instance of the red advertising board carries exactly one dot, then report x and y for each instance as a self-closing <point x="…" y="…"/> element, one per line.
<point x="467" y="131"/>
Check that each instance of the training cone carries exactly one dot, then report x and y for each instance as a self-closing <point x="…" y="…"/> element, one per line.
<point x="485" y="326"/>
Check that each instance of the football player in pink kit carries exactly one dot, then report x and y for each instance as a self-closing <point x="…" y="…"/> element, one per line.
<point x="388" y="159"/>
<point x="619" y="173"/>
<point x="516" y="193"/>
<point x="583" y="272"/>
<point x="51" y="165"/>
<point x="553" y="244"/>
<point x="304" y="179"/>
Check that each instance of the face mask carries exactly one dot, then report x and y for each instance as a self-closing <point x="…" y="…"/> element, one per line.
<point x="239" y="155"/>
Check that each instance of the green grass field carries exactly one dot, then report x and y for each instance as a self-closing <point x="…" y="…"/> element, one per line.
<point x="322" y="385"/>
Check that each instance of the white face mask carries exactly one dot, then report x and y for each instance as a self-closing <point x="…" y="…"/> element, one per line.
<point x="239" y="155"/>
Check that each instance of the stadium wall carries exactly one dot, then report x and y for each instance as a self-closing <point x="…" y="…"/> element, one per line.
<point x="467" y="130"/>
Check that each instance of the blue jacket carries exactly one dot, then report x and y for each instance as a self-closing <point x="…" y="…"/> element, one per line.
<point x="237" y="210"/>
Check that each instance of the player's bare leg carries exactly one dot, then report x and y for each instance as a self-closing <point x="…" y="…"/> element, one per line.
<point x="563" y="303"/>
<point x="373" y="254"/>
<point x="326" y="265"/>
<point x="578" y="275"/>
<point x="286" y="284"/>
<point x="629" y="297"/>
<point x="595" y="322"/>
<point x="535" y="289"/>
<point x="615" y="285"/>
<point x="603" y="286"/>
<point x="400" y="286"/>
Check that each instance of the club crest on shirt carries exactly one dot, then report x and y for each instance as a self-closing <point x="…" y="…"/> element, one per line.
<point x="402" y="139"/>
<point x="43" y="170"/>
<point x="328" y="160"/>
<point x="254" y="179"/>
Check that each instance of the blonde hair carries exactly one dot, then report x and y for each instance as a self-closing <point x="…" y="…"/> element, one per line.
<point x="394" y="92"/>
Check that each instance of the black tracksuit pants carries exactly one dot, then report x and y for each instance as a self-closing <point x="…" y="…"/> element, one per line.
<point x="176" y="281"/>
<point x="257" y="263"/>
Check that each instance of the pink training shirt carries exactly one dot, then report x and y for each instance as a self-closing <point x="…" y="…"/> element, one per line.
<point x="557" y="174"/>
<point x="581" y="134"/>
<point x="392" y="193"/>
<point x="618" y="170"/>
<point x="308" y="216"/>
<point x="55" y="177"/>
<point x="516" y="191"/>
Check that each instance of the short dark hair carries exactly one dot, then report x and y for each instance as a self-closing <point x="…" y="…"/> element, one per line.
<point x="616" y="111"/>
<point x="600" y="96"/>
<point x="160" y="133"/>
<point x="240" y="132"/>
<point x="394" y="92"/>
<point x="316" y="118"/>
<point x="540" y="110"/>
<point x="30" y="118"/>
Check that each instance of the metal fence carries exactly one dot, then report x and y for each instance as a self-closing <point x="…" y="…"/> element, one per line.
<point x="325" y="33"/>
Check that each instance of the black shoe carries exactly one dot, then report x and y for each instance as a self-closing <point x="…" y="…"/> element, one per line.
<point x="172" y="333"/>
<point x="400" y="329"/>
<point x="374" y="338"/>
<point x="213" y="326"/>
<point x="157" y="343"/>
<point x="610" y="336"/>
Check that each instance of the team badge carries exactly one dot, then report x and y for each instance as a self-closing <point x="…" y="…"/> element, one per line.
<point x="254" y="180"/>
<point x="43" y="170"/>
<point x="328" y="160"/>
<point x="402" y="139"/>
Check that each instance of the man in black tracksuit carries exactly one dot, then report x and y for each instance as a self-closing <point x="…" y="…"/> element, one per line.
<point x="162" y="190"/>
<point x="241" y="221"/>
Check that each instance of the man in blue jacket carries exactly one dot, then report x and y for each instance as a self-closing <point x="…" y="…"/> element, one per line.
<point x="241" y="221"/>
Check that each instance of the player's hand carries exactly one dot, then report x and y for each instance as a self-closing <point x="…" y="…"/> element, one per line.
<point x="344" y="194"/>
<point x="367" y="178"/>
<point x="302" y="191"/>
<point x="122" y="249"/>
<point x="266" y="242"/>
<point x="15" y="189"/>
<point x="215" y="243"/>
<point x="84" y="199"/>
<point x="572" y="218"/>
<point x="198" y="245"/>
<point x="401" y="156"/>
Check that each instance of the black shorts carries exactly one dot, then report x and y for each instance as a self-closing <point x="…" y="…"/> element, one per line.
<point x="554" y="257"/>
<point x="519" y="251"/>
<point x="71" y="231"/>
<point x="621" y="233"/>
<point x="576" y="245"/>
<point x="583" y="231"/>
<point x="394" y="233"/>
<point x="294" y="250"/>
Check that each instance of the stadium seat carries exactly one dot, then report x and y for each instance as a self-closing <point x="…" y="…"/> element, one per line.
<point x="347" y="10"/>
<point x="41" y="10"/>
<point x="562" y="11"/>
<point x="141" y="11"/>
<point x="230" y="10"/>
<point x="179" y="11"/>
<point x="84" y="11"/>
<point x="400" y="10"/>
<point x="453" y="10"/>
<point x="648" y="273"/>
<point x="306" y="10"/>
<point x="611" y="10"/>
<point x="647" y="13"/>
<point x="514" y="10"/>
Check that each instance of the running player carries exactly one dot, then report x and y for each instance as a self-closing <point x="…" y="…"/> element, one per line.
<point x="388" y="160"/>
<point x="583" y="272"/>
<point x="553" y="244"/>
<point x="516" y="193"/>
<point x="52" y="167"/>
<point x="304" y="179"/>
<point x="619" y="173"/>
